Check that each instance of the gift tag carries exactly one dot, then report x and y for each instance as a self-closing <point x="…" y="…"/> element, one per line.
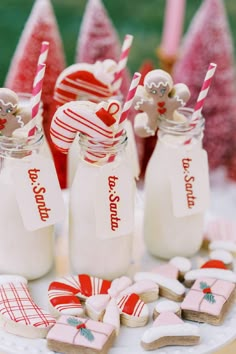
<point x="114" y="201"/>
<point x="38" y="192"/>
<point x="189" y="178"/>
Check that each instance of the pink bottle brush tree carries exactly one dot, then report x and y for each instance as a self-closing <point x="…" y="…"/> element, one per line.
<point x="207" y="40"/>
<point x="98" y="39"/>
<point x="40" y="26"/>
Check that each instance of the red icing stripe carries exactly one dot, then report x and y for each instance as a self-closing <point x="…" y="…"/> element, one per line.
<point x="85" y="284"/>
<point x="214" y="263"/>
<point x="130" y="303"/>
<point x="56" y="285"/>
<point x="68" y="299"/>
<point x="106" y="284"/>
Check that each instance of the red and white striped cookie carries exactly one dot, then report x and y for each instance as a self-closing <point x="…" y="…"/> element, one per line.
<point x="18" y="312"/>
<point x="65" y="295"/>
<point x="81" y="81"/>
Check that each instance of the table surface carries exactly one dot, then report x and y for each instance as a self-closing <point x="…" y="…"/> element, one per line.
<point x="213" y="338"/>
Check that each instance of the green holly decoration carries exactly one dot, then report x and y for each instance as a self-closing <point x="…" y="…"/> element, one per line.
<point x="85" y="332"/>
<point x="207" y="291"/>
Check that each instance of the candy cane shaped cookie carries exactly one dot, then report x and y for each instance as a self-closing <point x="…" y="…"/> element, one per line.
<point x="18" y="312"/>
<point x="65" y="294"/>
<point x="88" y="118"/>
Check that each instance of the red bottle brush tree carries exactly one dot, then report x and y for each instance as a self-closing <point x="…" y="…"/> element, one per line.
<point x="40" y="26"/>
<point x="98" y="39"/>
<point x="207" y="40"/>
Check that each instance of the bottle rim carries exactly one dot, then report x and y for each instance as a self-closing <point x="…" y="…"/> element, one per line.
<point x="186" y="127"/>
<point x="97" y="144"/>
<point x="10" y="145"/>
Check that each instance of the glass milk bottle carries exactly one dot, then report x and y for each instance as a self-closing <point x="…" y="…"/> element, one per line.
<point x="101" y="211"/>
<point x="176" y="189"/>
<point x="22" y="252"/>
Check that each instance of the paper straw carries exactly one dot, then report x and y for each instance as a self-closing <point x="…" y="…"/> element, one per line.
<point x="204" y="91"/>
<point x="43" y="52"/>
<point x="38" y="81"/>
<point x="36" y="94"/>
<point x="122" y="62"/>
<point x="201" y="98"/>
<point x="130" y="97"/>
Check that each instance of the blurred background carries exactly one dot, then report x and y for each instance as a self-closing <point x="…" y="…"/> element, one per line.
<point x="143" y="19"/>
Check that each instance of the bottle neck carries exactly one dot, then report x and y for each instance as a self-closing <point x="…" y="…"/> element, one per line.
<point x="99" y="151"/>
<point x="17" y="148"/>
<point x="184" y="132"/>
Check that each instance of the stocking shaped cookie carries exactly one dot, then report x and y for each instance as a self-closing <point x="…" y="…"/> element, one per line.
<point x="65" y="294"/>
<point x="123" y="303"/>
<point x="18" y="312"/>
<point x="158" y="98"/>
<point x="12" y="116"/>
<point x="166" y="277"/>
<point x="211" y="295"/>
<point x="169" y="329"/>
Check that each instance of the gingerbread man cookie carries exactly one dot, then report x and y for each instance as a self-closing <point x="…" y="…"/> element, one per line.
<point x="12" y="116"/>
<point x="158" y="98"/>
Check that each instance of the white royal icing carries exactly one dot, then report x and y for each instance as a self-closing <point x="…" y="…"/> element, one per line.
<point x="181" y="263"/>
<point x="223" y="245"/>
<point x="154" y="333"/>
<point x="168" y="283"/>
<point x="167" y="306"/>
<point x="222" y="274"/>
<point x="222" y="255"/>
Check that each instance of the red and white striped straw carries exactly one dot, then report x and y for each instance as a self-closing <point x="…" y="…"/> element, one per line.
<point x="38" y="80"/>
<point x="130" y="97"/>
<point x="36" y="95"/>
<point x="43" y="52"/>
<point x="204" y="91"/>
<point x="122" y="62"/>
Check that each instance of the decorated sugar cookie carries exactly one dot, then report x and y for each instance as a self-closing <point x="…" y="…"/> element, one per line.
<point x="65" y="294"/>
<point x="166" y="276"/>
<point x="82" y="81"/>
<point x="213" y="268"/>
<point x="123" y="303"/>
<point x="79" y="335"/>
<point x="18" y="312"/>
<point x="12" y="116"/>
<point x="210" y="297"/>
<point x="224" y="256"/>
<point x="169" y="329"/>
<point x="166" y="305"/>
<point x="158" y="98"/>
<point x="220" y="230"/>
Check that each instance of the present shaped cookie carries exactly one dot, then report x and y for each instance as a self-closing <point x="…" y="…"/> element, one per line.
<point x="79" y="335"/>
<point x="208" y="300"/>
